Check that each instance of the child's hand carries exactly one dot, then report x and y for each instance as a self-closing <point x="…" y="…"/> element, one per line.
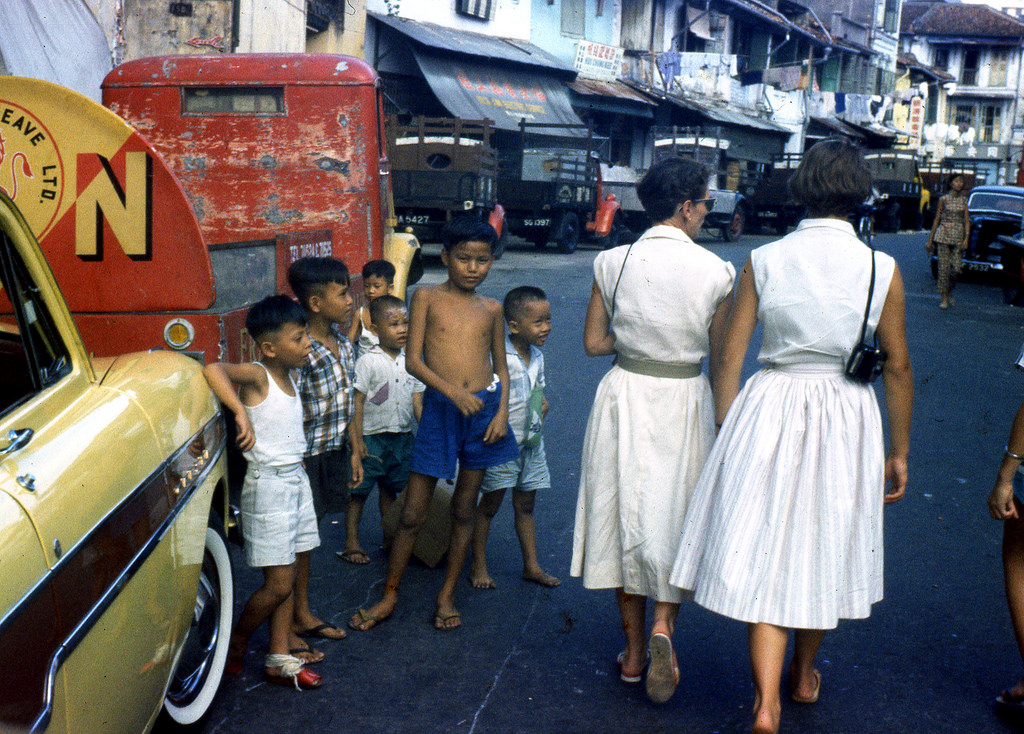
<point x="356" y="462"/>
<point x="1000" y="502"/>
<point x="896" y="477"/>
<point x="497" y="428"/>
<point x="246" y="437"/>
<point x="467" y="403"/>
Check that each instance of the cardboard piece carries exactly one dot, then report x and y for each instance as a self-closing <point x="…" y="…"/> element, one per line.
<point x="432" y="541"/>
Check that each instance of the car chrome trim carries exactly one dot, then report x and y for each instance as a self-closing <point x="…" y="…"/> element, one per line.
<point x="68" y="600"/>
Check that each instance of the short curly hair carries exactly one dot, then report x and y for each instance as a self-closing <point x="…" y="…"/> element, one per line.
<point x="670" y="182"/>
<point x="831" y="180"/>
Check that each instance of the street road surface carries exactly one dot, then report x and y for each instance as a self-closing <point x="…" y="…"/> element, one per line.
<point x="931" y="658"/>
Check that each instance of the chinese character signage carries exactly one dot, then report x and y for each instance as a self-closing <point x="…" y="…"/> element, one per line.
<point x="597" y="61"/>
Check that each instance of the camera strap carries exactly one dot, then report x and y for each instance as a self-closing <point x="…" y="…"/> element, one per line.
<point x="867" y="308"/>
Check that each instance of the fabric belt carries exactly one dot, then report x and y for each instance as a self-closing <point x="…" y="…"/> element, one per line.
<point x="675" y="370"/>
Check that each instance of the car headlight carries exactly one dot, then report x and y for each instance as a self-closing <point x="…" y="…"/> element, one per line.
<point x="179" y="334"/>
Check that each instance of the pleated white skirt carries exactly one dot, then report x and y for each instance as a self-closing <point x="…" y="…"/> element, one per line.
<point x="645" y="444"/>
<point x="785" y="525"/>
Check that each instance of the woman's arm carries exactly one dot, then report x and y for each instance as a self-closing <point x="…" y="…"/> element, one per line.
<point x="738" y="332"/>
<point x="1000" y="502"/>
<point x="935" y="224"/>
<point x="598" y="339"/>
<point x="898" y="380"/>
<point x="716" y="337"/>
<point x="967" y="228"/>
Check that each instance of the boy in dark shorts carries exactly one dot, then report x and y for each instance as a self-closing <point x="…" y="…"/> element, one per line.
<point x="325" y="385"/>
<point x="387" y="405"/>
<point x="456" y="346"/>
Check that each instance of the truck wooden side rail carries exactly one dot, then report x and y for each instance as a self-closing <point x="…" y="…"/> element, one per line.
<point x="441" y="167"/>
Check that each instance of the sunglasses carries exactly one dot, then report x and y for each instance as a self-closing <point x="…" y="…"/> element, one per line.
<point x="709" y="203"/>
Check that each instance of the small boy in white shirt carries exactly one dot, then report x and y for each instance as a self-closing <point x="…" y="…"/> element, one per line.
<point x="528" y="315"/>
<point x="388" y="402"/>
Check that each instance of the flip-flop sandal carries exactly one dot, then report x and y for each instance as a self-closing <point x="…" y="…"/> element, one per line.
<point x="352" y="555"/>
<point x="364" y="617"/>
<point x="662" y="674"/>
<point x="813" y="698"/>
<point x="318" y="632"/>
<point x="631" y="678"/>
<point x="316" y="655"/>
<point x="444" y="619"/>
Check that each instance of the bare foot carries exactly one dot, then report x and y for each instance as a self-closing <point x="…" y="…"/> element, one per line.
<point x="542" y="577"/>
<point x="481" y="579"/>
<point x="766" y="720"/>
<point x="447" y="617"/>
<point x="365" y="619"/>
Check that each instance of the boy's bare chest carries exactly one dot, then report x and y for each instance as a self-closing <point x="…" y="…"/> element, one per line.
<point x="460" y="320"/>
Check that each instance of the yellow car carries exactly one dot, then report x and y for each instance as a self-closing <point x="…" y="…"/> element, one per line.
<point x="116" y="597"/>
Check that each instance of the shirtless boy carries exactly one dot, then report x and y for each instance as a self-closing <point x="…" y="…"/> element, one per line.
<point x="456" y="345"/>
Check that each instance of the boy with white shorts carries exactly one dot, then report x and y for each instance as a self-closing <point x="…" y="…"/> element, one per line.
<point x="528" y="315"/>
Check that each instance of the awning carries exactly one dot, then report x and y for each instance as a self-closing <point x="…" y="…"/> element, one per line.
<point x="820" y="128"/>
<point x="613" y="97"/>
<point x="474" y="89"/>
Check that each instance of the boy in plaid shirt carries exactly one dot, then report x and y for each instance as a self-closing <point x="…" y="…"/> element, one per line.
<point x="325" y="385"/>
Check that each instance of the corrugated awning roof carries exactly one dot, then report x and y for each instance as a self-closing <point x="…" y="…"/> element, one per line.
<point x="834" y="125"/>
<point x="717" y="111"/>
<point x="455" y="42"/>
<point x="618" y="90"/>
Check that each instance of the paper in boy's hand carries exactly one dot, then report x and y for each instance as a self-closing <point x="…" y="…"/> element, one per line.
<point x="381" y="396"/>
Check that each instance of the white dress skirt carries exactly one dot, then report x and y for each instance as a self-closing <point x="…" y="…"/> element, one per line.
<point x="647" y="439"/>
<point x="785" y="524"/>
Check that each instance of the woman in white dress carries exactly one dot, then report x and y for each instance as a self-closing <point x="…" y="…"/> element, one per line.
<point x="784" y="529"/>
<point x="660" y="305"/>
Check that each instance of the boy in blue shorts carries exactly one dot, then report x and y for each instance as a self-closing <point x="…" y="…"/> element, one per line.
<point x="456" y="345"/>
<point x="325" y="385"/>
<point x="278" y="521"/>
<point x="528" y="314"/>
<point x="387" y="406"/>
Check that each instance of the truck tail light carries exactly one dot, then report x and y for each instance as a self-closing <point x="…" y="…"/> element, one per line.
<point x="179" y="334"/>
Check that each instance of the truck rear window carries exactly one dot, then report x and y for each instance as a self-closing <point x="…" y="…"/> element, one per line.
<point x="233" y="100"/>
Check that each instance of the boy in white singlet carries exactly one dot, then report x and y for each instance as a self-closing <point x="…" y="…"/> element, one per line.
<point x="278" y="520"/>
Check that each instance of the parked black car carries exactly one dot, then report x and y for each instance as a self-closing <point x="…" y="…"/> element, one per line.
<point x="996" y="214"/>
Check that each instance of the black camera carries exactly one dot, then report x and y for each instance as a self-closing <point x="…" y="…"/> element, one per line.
<point x="865" y="363"/>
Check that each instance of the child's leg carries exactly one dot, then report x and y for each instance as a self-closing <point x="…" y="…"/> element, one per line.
<point x="633" y="609"/>
<point x="1013" y="578"/>
<point x="526" y="529"/>
<point x="276" y="589"/>
<point x="467" y="486"/>
<point x="354" y="552"/>
<point x="304" y="622"/>
<point x="486" y="509"/>
<point x="767" y="651"/>
<point x="417" y="503"/>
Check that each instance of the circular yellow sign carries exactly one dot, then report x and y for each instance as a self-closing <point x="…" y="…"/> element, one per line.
<point x="31" y="170"/>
